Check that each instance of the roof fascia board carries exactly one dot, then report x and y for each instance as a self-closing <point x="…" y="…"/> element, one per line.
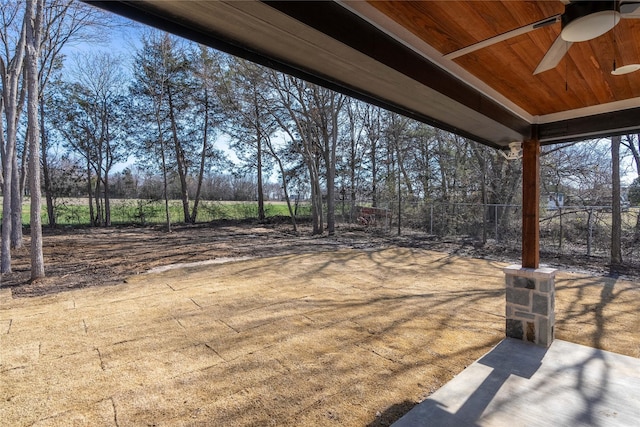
<point x="592" y="126"/>
<point x="588" y="111"/>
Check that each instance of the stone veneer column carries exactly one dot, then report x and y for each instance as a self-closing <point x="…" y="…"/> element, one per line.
<point x="530" y="308"/>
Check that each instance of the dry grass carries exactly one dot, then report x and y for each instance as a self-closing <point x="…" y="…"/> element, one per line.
<point x="346" y="338"/>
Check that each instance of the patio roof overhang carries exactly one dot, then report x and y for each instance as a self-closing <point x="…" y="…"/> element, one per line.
<point x="415" y="58"/>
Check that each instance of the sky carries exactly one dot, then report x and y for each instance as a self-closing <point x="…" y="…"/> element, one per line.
<point x="124" y="41"/>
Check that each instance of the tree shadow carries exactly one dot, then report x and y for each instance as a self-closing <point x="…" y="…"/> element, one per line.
<point x="392" y="414"/>
<point x="503" y="365"/>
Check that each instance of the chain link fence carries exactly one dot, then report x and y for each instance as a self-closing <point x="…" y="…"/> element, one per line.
<point x="573" y="230"/>
<point x="576" y="231"/>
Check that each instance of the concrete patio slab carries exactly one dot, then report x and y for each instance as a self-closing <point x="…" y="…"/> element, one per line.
<point x="519" y="384"/>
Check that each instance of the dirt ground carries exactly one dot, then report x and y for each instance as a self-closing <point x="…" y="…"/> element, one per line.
<point x="86" y="257"/>
<point x="349" y="330"/>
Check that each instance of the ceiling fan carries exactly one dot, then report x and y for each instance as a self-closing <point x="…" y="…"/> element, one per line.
<point x="581" y="21"/>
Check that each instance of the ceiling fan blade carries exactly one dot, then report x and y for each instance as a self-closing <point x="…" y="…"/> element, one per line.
<point x="502" y="37"/>
<point x="553" y="56"/>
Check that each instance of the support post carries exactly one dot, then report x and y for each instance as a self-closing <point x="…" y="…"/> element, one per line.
<point x="530" y="293"/>
<point x="531" y="203"/>
<point x="530" y="306"/>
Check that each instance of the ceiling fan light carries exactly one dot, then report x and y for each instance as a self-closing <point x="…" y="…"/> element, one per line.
<point x="586" y="20"/>
<point x="626" y="69"/>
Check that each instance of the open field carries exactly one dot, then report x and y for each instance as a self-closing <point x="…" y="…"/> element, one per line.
<point x="75" y="211"/>
<point x="350" y="330"/>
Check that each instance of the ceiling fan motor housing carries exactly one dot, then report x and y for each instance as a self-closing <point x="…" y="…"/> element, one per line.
<point x="586" y="20"/>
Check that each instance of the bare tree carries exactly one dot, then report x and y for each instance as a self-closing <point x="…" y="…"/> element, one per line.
<point x="102" y="98"/>
<point x="632" y="142"/>
<point x="13" y="36"/>
<point x="314" y="118"/>
<point x="92" y="115"/>
<point x="33" y="24"/>
<point x="205" y="62"/>
<point x="244" y="94"/>
<point x="293" y="115"/>
<point x="616" y="213"/>
<point x="372" y="124"/>
<point x="64" y="22"/>
<point x="354" y="155"/>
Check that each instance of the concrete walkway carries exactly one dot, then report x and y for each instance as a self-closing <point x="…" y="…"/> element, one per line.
<point x="518" y="384"/>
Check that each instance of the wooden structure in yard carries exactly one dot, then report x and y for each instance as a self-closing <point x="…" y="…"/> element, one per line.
<point x="372" y="217"/>
<point x="493" y="71"/>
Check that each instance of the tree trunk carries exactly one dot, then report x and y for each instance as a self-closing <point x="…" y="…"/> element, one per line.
<point x="180" y="160"/>
<point x="316" y="196"/>
<point x="46" y="173"/>
<point x="352" y="182"/>
<point x="6" y="208"/>
<point x="107" y="201"/>
<point x="635" y="150"/>
<point x="331" y="199"/>
<point x="374" y="174"/>
<point x="203" y="157"/>
<point x="259" y="136"/>
<point x="19" y="181"/>
<point x="616" y="214"/>
<point x="97" y="192"/>
<point x="99" y="219"/>
<point x="589" y="231"/>
<point x="165" y="185"/>
<point x="34" y="19"/>
<point x="399" y="199"/>
<point x="332" y="141"/>
<point x="292" y="214"/>
<point x="11" y="74"/>
<point x="485" y="199"/>
<point x="261" y="215"/>
<point x="16" y="205"/>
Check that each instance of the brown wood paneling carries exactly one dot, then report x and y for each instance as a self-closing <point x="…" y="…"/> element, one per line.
<point x="581" y="79"/>
<point x="531" y="204"/>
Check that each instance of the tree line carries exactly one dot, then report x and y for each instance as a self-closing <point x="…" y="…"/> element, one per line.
<point x="69" y="121"/>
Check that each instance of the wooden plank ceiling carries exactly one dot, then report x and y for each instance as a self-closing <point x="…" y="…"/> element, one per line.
<point x="581" y="79"/>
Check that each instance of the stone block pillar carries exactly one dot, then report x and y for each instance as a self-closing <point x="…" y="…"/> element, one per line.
<point x="530" y="307"/>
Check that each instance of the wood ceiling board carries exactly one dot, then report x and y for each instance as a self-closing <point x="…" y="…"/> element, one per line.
<point x="458" y="24"/>
<point x="520" y="86"/>
<point x="452" y="25"/>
